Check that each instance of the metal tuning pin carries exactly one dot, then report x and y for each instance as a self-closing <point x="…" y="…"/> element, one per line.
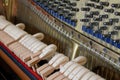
<point x="104" y="16"/>
<point x="94" y="12"/>
<point x="66" y="1"/>
<point x="73" y="4"/>
<point x="94" y="23"/>
<point x="97" y="1"/>
<point x="55" y="5"/>
<point x="108" y="23"/>
<point x="84" y="20"/>
<point x="65" y="11"/>
<point x="63" y="5"/>
<point x="90" y="4"/>
<point x="98" y="7"/>
<point x="97" y="19"/>
<point x="117" y="27"/>
<point x="75" y="9"/>
<point x="71" y="14"/>
<point x="109" y="10"/>
<point x="68" y="7"/>
<point x="117" y="13"/>
<point x="104" y="3"/>
<point x="60" y="8"/>
<point x="56" y="2"/>
<point x="115" y="5"/>
<point x="85" y="9"/>
<point x="114" y="20"/>
<point x="88" y="15"/>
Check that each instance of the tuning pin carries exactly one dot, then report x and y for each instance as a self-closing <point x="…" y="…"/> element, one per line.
<point x="115" y="5"/>
<point x="108" y="23"/>
<point x="104" y="3"/>
<point x="65" y="11"/>
<point x="117" y="13"/>
<point x="94" y="12"/>
<point x="56" y="2"/>
<point x="66" y="1"/>
<point x="71" y="14"/>
<point x="50" y="3"/>
<point x="104" y="16"/>
<point x="103" y="28"/>
<point x="44" y="1"/>
<point x="55" y="5"/>
<point x="68" y="7"/>
<point x="114" y="20"/>
<point x="90" y="4"/>
<point x="60" y="8"/>
<point x="98" y="7"/>
<point x="109" y="10"/>
<point x="88" y="15"/>
<point x="117" y="27"/>
<point x="94" y="23"/>
<point x="97" y="1"/>
<point x="75" y="9"/>
<point x="73" y="4"/>
<point x="62" y="4"/>
<point x="85" y="9"/>
<point x="97" y="19"/>
<point x="84" y="20"/>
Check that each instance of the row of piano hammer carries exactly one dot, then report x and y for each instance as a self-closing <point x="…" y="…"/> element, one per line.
<point x="31" y="50"/>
